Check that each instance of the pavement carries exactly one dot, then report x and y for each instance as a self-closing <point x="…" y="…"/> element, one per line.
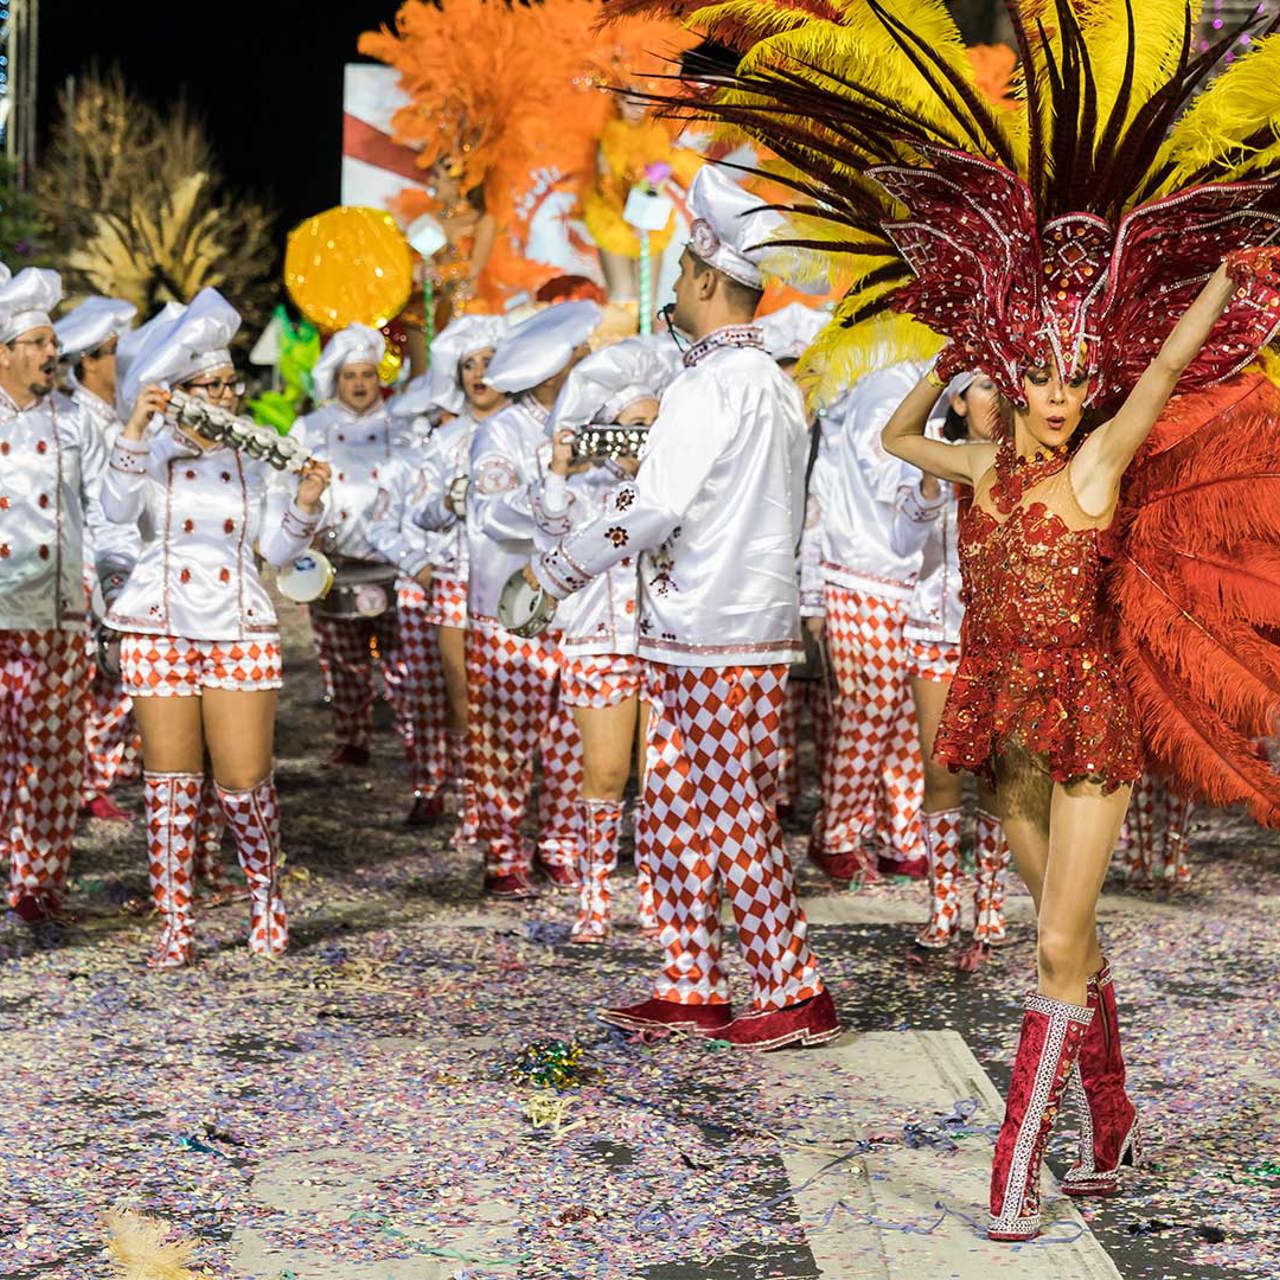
<point x="364" y="1109"/>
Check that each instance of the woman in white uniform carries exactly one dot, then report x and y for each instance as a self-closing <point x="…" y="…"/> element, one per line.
<point x="200" y="648"/>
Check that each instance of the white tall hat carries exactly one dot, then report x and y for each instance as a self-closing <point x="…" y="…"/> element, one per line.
<point x="539" y="347"/>
<point x="356" y="344"/>
<point x="610" y="379"/>
<point x="86" y="327"/>
<point x="27" y="301"/>
<point x="730" y="226"/>
<point x="413" y="399"/>
<point x="790" y="331"/>
<point x="459" y="339"/>
<point x="196" y="340"/>
<point x="133" y="342"/>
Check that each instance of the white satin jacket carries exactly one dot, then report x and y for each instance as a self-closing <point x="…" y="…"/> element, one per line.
<point x="510" y="454"/>
<point x="853" y="493"/>
<point x="203" y="514"/>
<point x="446" y="457"/>
<point x="601" y="618"/>
<point x="51" y="463"/>
<point x="714" y="515"/>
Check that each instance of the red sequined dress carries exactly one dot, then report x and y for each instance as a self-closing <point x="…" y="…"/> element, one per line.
<point x="1037" y="670"/>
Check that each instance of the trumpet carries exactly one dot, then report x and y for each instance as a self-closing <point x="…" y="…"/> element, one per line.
<point x="224" y="427"/>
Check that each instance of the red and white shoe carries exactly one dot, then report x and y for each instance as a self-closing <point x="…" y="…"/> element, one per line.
<point x="912" y="868"/>
<point x="808" y="1023"/>
<point x="563" y="879"/>
<point x="654" y="1015"/>
<point x="843" y="867"/>
<point x="515" y="885"/>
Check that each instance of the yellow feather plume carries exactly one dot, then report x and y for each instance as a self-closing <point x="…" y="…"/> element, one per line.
<point x="1217" y="131"/>
<point x="139" y="1249"/>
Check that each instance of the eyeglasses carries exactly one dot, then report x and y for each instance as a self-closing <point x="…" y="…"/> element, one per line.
<point x="37" y="342"/>
<point x="217" y="387"/>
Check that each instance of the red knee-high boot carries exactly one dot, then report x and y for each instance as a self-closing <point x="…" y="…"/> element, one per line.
<point x="254" y="818"/>
<point x="601" y="830"/>
<point x="171" y="801"/>
<point x="1052" y="1034"/>
<point x="1109" y="1136"/>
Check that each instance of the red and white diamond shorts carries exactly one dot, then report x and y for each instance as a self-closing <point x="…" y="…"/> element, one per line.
<point x="934" y="660"/>
<point x="600" y="679"/>
<point x="448" y="604"/>
<point x="174" y="667"/>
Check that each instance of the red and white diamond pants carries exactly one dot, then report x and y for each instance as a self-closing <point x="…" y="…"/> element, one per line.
<point x="44" y="676"/>
<point x="710" y="792"/>
<point x="347" y="649"/>
<point x="420" y="695"/>
<point x="803" y="696"/>
<point x="873" y="783"/>
<point x="1153" y="839"/>
<point x="514" y="708"/>
<point x="113" y="750"/>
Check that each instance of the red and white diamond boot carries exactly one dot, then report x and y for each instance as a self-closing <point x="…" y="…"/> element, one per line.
<point x="1052" y="1034"/>
<point x="254" y="818"/>
<point x="171" y="801"/>
<point x="646" y="909"/>
<point x="942" y="841"/>
<point x="1109" y="1135"/>
<point x="991" y="859"/>
<point x="211" y="825"/>
<point x="1138" y="832"/>
<point x="1173" y="869"/>
<point x="601" y="831"/>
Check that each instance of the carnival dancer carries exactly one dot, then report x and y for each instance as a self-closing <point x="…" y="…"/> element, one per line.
<point x="513" y="683"/>
<point x="355" y="624"/>
<point x="928" y="513"/>
<point x="788" y="332"/>
<point x="200" y="647"/>
<point x="87" y="337"/>
<point x="602" y="676"/>
<point x="51" y="460"/>
<point x="715" y="516"/>
<point x="873" y="780"/>
<point x="457" y="390"/>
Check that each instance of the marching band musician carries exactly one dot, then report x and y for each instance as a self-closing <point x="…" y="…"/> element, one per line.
<point x="200" y="648"/>
<point x="513" y="683"/>
<point x="601" y="675"/>
<point x="88" y="336"/>
<point x="715" y="515"/>
<point x="457" y="392"/>
<point x="51" y="459"/>
<point x="353" y="432"/>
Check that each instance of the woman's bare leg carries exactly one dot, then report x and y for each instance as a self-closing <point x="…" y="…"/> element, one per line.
<point x="453" y="660"/>
<point x="172" y="735"/>
<point x="240" y="729"/>
<point x="942" y="788"/>
<point x="607" y="735"/>
<point x="1024" y="794"/>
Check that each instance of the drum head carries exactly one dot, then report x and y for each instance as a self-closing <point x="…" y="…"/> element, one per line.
<point x="522" y="609"/>
<point x="307" y="579"/>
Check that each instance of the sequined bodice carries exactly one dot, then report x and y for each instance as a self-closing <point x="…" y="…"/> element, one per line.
<point x="1029" y="580"/>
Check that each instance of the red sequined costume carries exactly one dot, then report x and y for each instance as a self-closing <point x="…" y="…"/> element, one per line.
<point x="1037" y="669"/>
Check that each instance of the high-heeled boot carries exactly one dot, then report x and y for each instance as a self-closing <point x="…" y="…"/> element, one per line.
<point x="1052" y="1034"/>
<point x="942" y="843"/>
<point x="601" y="830"/>
<point x="172" y="801"/>
<point x="1109" y="1134"/>
<point x="991" y="862"/>
<point x="254" y="818"/>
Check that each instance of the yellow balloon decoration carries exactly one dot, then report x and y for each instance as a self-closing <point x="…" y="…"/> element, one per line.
<point x="348" y="265"/>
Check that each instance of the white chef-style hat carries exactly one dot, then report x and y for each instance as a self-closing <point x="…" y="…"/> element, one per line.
<point x="133" y="342"/>
<point x="86" y="327"/>
<point x="610" y="379"/>
<point x="197" y="340"/>
<point x="414" y="399"/>
<point x="729" y="226"/>
<point x="459" y="339"/>
<point x="27" y="301"/>
<point x="356" y="344"/>
<point x="790" y="331"/>
<point x="539" y="347"/>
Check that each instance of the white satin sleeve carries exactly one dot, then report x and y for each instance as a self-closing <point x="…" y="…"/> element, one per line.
<point x="286" y="530"/>
<point x="914" y="516"/>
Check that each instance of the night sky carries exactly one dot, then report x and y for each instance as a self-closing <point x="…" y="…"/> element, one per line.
<point x="265" y="77"/>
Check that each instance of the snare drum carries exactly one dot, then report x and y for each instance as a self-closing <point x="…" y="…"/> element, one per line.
<point x="361" y="590"/>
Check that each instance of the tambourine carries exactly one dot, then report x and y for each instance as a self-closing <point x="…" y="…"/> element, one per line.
<point x="597" y="443"/>
<point x="525" y="611"/>
<point x="458" y="493"/>
<point x="308" y="579"/>
<point x="107" y="652"/>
